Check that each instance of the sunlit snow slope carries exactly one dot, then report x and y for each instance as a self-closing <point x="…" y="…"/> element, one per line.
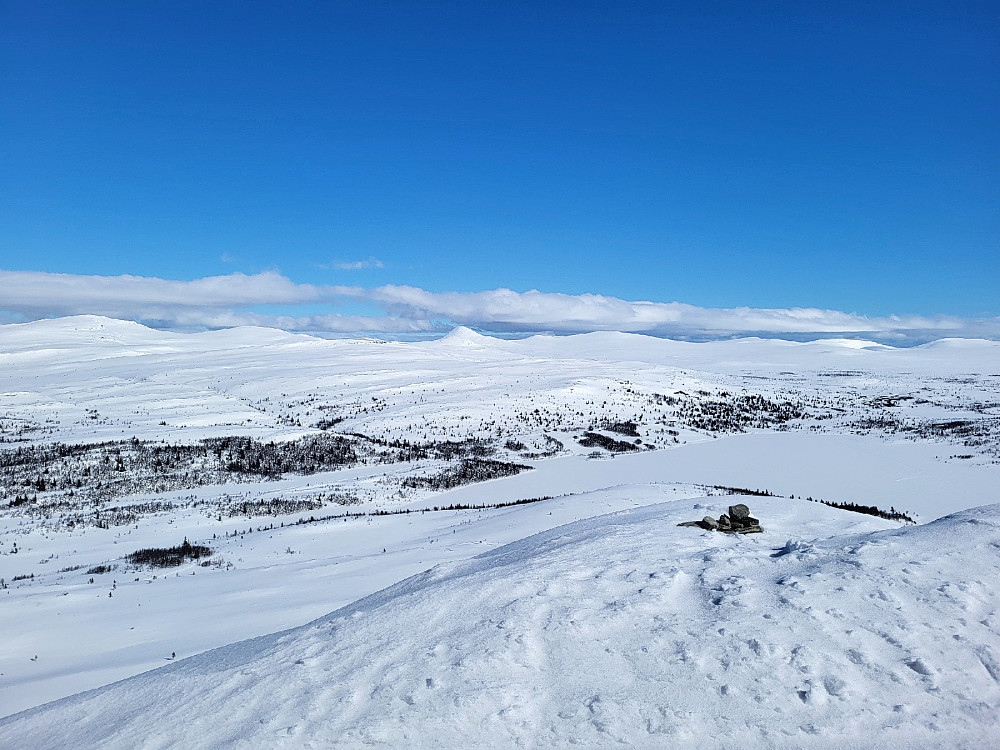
<point x="621" y="629"/>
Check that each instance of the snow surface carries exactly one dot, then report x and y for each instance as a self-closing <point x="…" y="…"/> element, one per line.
<point x="621" y="629"/>
<point x="831" y="629"/>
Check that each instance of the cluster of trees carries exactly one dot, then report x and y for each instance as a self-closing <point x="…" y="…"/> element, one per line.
<point x="969" y="432"/>
<point x="103" y="471"/>
<point x="552" y="447"/>
<point x="469" y="470"/>
<point x="64" y="513"/>
<point x="982" y="433"/>
<point x="18" y="430"/>
<point x="488" y="506"/>
<point x="99" y="472"/>
<point x="869" y="510"/>
<point x="381" y="513"/>
<point x="75" y="484"/>
<point x="626" y="428"/>
<point x="307" y="455"/>
<point x="743" y="491"/>
<point x="597" y="440"/>
<point x="729" y="413"/>
<point x="168" y="557"/>
<point x="450" y="450"/>
<point x="273" y="506"/>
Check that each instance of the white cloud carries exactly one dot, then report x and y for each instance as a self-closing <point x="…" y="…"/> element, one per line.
<point x="210" y="302"/>
<point x="503" y="309"/>
<point x="222" y="301"/>
<point x="36" y="294"/>
<point x="331" y="323"/>
<point x="357" y="265"/>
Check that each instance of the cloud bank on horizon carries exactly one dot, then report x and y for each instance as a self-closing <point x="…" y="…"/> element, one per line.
<point x="230" y="300"/>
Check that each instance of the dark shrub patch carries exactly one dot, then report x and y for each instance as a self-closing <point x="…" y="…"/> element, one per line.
<point x="629" y="429"/>
<point x="597" y="440"/>
<point x="743" y="491"/>
<point x="168" y="557"/>
<point x="871" y="510"/>
<point x="468" y="471"/>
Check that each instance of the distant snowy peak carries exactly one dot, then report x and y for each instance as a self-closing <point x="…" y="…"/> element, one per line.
<point x="243" y="336"/>
<point x="961" y="344"/>
<point x="77" y="330"/>
<point x="87" y="323"/>
<point x="82" y="322"/>
<point x="462" y="336"/>
<point x="857" y="344"/>
<point x="96" y="329"/>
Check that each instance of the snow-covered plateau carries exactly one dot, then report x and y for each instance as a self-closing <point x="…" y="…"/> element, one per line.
<point x="249" y="538"/>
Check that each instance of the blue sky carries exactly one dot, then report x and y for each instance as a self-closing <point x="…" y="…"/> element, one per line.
<point x="719" y="155"/>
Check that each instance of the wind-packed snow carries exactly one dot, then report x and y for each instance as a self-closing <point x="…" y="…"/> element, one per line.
<point x="542" y="624"/>
<point x="621" y="629"/>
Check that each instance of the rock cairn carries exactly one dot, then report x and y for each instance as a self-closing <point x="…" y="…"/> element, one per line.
<point x="737" y="521"/>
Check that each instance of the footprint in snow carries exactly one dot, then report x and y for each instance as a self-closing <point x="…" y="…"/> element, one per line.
<point x="834" y="686"/>
<point x="989" y="662"/>
<point x="856" y="657"/>
<point x="919" y="666"/>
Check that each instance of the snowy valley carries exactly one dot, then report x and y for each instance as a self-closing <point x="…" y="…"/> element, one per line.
<point x="474" y="541"/>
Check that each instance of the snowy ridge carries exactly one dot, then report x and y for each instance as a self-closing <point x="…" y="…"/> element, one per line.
<point x="90" y="330"/>
<point x="618" y="629"/>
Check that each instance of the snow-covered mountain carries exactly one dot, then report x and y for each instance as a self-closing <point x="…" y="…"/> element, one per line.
<point x="322" y="476"/>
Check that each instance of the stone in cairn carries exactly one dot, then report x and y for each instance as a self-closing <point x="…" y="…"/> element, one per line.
<point x="737" y="521"/>
<point x="741" y="520"/>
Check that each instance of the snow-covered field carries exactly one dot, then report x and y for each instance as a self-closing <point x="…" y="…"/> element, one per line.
<point x="295" y="461"/>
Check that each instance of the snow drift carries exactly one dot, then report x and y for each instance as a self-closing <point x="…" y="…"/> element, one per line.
<point x="617" y="629"/>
